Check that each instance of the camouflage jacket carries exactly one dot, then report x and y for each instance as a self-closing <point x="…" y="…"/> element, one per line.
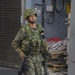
<point x="27" y="35"/>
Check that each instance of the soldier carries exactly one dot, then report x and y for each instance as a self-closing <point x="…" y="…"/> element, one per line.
<point x="31" y="35"/>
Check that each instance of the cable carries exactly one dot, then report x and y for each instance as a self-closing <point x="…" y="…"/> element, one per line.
<point x="37" y="4"/>
<point x="50" y="17"/>
<point x="43" y="7"/>
<point x="61" y="5"/>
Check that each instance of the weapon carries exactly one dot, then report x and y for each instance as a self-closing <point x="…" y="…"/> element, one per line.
<point x="44" y="64"/>
<point x="24" y="65"/>
<point x="44" y="54"/>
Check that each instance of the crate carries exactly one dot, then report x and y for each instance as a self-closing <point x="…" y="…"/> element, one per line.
<point x="55" y="55"/>
<point x="56" y="67"/>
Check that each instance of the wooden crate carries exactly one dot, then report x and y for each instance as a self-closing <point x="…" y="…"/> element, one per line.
<point x="56" y="67"/>
<point x="55" y="55"/>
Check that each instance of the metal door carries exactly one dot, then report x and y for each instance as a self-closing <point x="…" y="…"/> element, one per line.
<point x="10" y="13"/>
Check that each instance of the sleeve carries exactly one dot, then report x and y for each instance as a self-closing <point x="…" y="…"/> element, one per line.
<point x="18" y="39"/>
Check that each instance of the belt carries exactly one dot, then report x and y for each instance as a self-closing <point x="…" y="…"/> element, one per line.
<point x="34" y="53"/>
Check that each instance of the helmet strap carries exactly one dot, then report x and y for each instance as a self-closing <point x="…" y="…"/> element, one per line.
<point x="32" y="22"/>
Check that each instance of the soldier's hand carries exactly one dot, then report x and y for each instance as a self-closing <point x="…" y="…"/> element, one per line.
<point x="22" y="55"/>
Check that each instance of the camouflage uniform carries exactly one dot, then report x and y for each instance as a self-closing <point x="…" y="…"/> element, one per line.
<point x="22" y="40"/>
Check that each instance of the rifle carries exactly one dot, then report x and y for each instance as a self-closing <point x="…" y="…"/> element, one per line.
<point x="23" y="67"/>
<point x="24" y="64"/>
<point x="44" y="64"/>
<point x="42" y="36"/>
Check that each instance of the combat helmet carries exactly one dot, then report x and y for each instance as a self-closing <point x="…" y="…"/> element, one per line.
<point x="29" y="12"/>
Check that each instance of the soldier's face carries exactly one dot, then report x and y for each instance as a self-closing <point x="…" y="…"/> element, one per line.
<point x="32" y="18"/>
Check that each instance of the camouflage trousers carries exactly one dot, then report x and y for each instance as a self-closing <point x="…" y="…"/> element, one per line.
<point x="34" y="69"/>
<point x="34" y="65"/>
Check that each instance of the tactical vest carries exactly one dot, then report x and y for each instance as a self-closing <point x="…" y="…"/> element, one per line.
<point x="32" y="35"/>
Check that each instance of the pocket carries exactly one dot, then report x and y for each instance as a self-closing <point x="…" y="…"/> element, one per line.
<point x="24" y="45"/>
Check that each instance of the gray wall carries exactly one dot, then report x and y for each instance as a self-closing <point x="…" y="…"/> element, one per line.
<point x="71" y="61"/>
<point x="58" y="27"/>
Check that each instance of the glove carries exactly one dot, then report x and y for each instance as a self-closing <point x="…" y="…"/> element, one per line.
<point x="21" y="54"/>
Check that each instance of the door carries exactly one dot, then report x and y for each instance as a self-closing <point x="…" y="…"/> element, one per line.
<point x="10" y="13"/>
